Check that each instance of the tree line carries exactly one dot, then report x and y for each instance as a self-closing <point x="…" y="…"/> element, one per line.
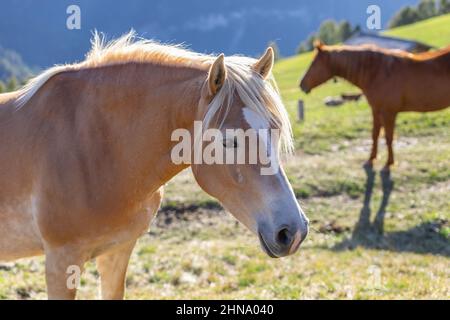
<point x="10" y="85"/>
<point x="424" y="10"/>
<point x="332" y="32"/>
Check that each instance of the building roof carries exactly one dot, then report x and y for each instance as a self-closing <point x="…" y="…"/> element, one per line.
<point x="387" y="42"/>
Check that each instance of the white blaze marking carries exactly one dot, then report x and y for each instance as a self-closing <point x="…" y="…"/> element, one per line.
<point x="258" y="122"/>
<point x="255" y="120"/>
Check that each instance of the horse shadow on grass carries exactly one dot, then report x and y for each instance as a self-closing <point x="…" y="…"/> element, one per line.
<point x="422" y="239"/>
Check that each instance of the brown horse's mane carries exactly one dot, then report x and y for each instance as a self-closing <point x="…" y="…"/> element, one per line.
<point x="373" y="49"/>
<point x="364" y="61"/>
<point x="432" y="54"/>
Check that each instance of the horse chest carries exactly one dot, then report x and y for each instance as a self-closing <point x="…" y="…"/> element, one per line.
<point x="129" y="229"/>
<point x="19" y="235"/>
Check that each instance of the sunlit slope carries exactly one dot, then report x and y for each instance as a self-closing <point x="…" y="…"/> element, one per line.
<point x="435" y="32"/>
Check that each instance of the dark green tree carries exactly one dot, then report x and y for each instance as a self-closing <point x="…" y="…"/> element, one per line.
<point x="328" y="32"/>
<point x="405" y="16"/>
<point x="426" y="9"/>
<point x="11" y="84"/>
<point x="444" y="7"/>
<point x="2" y="87"/>
<point x="345" y="30"/>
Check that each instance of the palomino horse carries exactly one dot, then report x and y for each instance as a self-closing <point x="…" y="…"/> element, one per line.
<point x="392" y="80"/>
<point x="86" y="148"/>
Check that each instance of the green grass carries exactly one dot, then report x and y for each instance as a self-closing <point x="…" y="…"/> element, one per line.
<point x="204" y="253"/>
<point x="435" y="32"/>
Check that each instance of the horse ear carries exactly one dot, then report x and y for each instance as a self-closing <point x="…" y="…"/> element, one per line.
<point x="217" y="75"/>
<point x="318" y="44"/>
<point x="265" y="64"/>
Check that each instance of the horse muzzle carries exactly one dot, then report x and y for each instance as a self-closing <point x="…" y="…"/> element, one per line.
<point x="283" y="240"/>
<point x="304" y="88"/>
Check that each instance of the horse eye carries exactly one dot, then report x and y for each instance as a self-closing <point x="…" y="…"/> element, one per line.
<point x="228" y="143"/>
<point x="235" y="144"/>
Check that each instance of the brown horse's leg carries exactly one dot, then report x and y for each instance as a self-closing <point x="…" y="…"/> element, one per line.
<point x="375" y="134"/>
<point x="113" y="268"/>
<point x="389" y="125"/>
<point x="63" y="269"/>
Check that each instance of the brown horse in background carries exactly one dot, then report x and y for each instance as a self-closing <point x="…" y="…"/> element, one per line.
<point x="393" y="81"/>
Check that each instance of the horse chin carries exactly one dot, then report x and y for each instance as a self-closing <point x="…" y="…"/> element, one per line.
<point x="305" y="90"/>
<point x="265" y="247"/>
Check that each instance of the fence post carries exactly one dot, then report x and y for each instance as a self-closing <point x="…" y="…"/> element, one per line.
<point x="300" y="110"/>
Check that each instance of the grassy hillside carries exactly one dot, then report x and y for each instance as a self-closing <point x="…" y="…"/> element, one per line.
<point x="204" y="253"/>
<point x="435" y="32"/>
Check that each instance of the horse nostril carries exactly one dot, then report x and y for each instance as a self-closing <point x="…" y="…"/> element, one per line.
<point x="284" y="237"/>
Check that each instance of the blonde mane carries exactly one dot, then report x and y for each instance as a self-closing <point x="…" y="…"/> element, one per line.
<point x="256" y="93"/>
<point x="260" y="95"/>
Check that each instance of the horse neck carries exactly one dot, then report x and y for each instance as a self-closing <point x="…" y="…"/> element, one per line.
<point x="170" y="101"/>
<point x="353" y="66"/>
<point x="123" y="122"/>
